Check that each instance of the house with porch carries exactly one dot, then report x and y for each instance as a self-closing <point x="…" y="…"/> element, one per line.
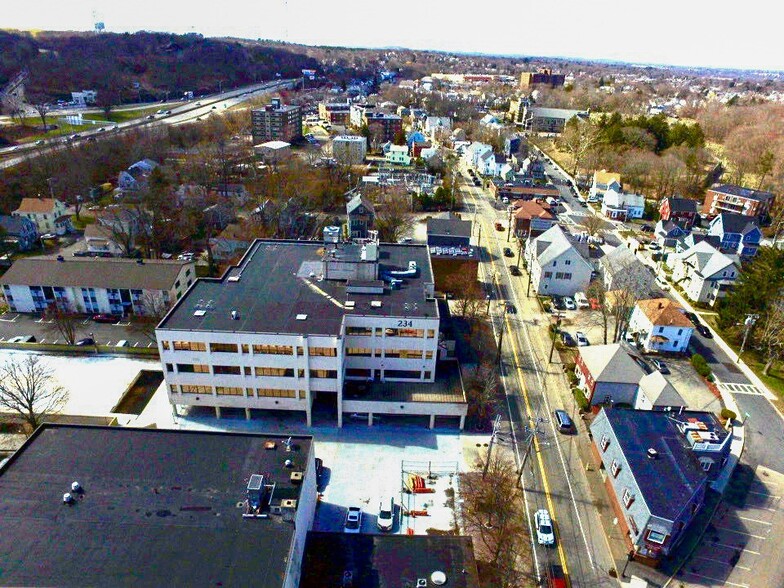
<point x="661" y="325"/>
<point x="668" y="232"/>
<point x="739" y="234"/>
<point x="558" y="265"/>
<point x="705" y="273"/>
<point x="48" y="214"/>
<point x="681" y="211"/>
<point x="619" y="205"/>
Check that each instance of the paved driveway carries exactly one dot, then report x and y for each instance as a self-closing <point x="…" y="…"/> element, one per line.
<point x="14" y="324"/>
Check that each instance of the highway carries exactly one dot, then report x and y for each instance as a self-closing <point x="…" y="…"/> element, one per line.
<point x="186" y="112"/>
<point x="553" y="476"/>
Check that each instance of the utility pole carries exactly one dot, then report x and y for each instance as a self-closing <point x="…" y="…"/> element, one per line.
<point x="509" y="228"/>
<point x="554" y="336"/>
<point x="500" y="340"/>
<point x="496" y="428"/>
<point x="531" y="432"/>
<point x="748" y="323"/>
<point x="519" y="251"/>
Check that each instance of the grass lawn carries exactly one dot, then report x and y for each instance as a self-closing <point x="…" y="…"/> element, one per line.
<point x="119" y="116"/>
<point x="83" y="221"/>
<point x="775" y="378"/>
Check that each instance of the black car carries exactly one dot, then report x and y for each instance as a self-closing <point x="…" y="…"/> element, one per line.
<point x="514" y="270"/>
<point x="85" y="341"/>
<point x="646" y="229"/>
<point x="567" y="339"/>
<point x="559" y="303"/>
<point x="508" y="252"/>
<point x="704" y="331"/>
<point x="693" y="318"/>
<point x="510" y="308"/>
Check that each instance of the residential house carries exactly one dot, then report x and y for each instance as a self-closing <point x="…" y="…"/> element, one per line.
<point x="96" y="285"/>
<point x="18" y="231"/>
<point x="622" y="270"/>
<point x="614" y="375"/>
<point x="704" y="273"/>
<point x="452" y="255"/>
<point x="135" y="177"/>
<point x="531" y="218"/>
<point x="457" y="135"/>
<point x="691" y="239"/>
<point x="658" y="465"/>
<point x="619" y="205"/>
<point x="512" y="145"/>
<point x="532" y="167"/>
<point x="681" y="211"/>
<point x="557" y="264"/>
<point x="48" y="214"/>
<point x="231" y="241"/>
<point x="437" y="127"/>
<point x="667" y="233"/>
<point x="724" y="198"/>
<point x="357" y="113"/>
<point x="398" y="155"/>
<point x="360" y="217"/>
<point x="355" y="325"/>
<point x="661" y="325"/>
<point x="603" y="181"/>
<point x="738" y="233"/>
<point x="125" y="225"/>
<point x="491" y="122"/>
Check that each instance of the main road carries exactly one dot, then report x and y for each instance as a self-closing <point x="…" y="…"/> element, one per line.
<point x="187" y="112"/>
<point x="552" y="477"/>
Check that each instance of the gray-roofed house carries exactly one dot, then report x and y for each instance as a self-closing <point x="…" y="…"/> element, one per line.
<point x="19" y="231"/>
<point x="691" y="239"/>
<point x="361" y="216"/>
<point x="657" y="393"/>
<point x="658" y="465"/>
<point x="550" y="120"/>
<point x="558" y="264"/>
<point x="622" y="270"/>
<point x="705" y="273"/>
<point x="739" y="234"/>
<point x="667" y="233"/>
<point x="95" y="285"/>
<point x="681" y="211"/>
<point x="197" y="507"/>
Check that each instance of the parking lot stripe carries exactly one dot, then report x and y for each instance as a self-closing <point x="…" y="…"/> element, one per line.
<point x="744" y="568"/>
<point x="724" y="563"/>
<point x="755" y="521"/>
<point x="741" y="533"/>
<point x="738" y="547"/>
<point x="774" y="497"/>
<point x="721" y="582"/>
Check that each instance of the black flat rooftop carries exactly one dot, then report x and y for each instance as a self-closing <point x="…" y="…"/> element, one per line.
<point x="159" y="508"/>
<point x="387" y="561"/>
<point x="276" y="281"/>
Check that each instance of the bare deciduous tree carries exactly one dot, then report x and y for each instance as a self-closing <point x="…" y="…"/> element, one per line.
<point x="28" y="388"/>
<point x="578" y="138"/>
<point x="42" y="107"/>
<point x="492" y="513"/>
<point x="770" y="334"/>
<point x="153" y="309"/>
<point x="394" y="219"/>
<point x="64" y="322"/>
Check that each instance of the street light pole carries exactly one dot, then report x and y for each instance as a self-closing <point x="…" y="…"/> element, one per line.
<point x="496" y="428"/>
<point x="748" y="323"/>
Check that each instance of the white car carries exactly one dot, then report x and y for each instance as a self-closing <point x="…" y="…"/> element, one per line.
<point x="582" y="340"/>
<point x="353" y="522"/>
<point x="386" y="514"/>
<point x="545" y="535"/>
<point x="569" y="303"/>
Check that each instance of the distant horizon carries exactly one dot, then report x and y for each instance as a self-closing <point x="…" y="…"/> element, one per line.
<point x="675" y="34"/>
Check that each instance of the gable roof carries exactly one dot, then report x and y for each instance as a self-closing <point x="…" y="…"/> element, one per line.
<point x="553" y="243"/>
<point x="669" y="229"/>
<point x="611" y="363"/>
<point x="658" y="390"/>
<point x="682" y="204"/>
<point x="36" y="205"/>
<point x="623" y="199"/>
<point x="735" y="223"/>
<point x="708" y="260"/>
<point x="663" y="312"/>
<point x="358" y="200"/>
<point x="531" y="209"/>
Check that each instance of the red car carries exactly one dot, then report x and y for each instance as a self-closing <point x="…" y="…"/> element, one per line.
<point x="105" y="318"/>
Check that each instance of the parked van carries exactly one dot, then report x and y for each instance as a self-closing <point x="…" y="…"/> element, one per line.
<point x="581" y="300"/>
<point x="122" y="343"/>
<point x="563" y="422"/>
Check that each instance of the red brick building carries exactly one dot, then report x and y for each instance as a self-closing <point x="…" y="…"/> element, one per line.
<point x="738" y="200"/>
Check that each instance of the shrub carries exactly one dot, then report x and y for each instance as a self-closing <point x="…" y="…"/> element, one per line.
<point x="700" y="365"/>
<point x="582" y="401"/>
<point x="728" y="414"/>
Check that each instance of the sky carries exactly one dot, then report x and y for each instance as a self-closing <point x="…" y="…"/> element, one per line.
<point x="675" y="32"/>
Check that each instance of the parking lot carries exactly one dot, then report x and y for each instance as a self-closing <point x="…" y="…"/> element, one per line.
<point x="15" y="324"/>
<point x="362" y="464"/>
<point x="742" y="542"/>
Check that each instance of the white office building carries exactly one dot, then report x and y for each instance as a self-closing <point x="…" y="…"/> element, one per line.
<point x="349" y="149"/>
<point x="337" y="327"/>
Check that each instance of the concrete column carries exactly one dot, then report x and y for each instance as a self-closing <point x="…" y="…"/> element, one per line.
<point x="370" y="419"/>
<point x="217" y="412"/>
<point x="247" y="414"/>
<point x="462" y="422"/>
<point x="432" y="421"/>
<point x="309" y="416"/>
<point x="340" y="418"/>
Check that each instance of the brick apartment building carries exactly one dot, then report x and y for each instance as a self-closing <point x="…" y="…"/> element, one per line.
<point x="544" y="77"/>
<point x="391" y="123"/>
<point x="336" y="113"/>
<point x="738" y="200"/>
<point x="276" y="122"/>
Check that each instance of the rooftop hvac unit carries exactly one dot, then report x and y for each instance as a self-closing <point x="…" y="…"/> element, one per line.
<point x="331" y="234"/>
<point x="375" y="303"/>
<point x="296" y="477"/>
<point x="233" y="279"/>
<point x="288" y="503"/>
<point x="255" y="491"/>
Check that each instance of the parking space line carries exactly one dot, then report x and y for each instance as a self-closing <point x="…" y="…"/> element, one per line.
<point x="738" y="547"/>
<point x="755" y="521"/>
<point x="765" y="494"/>
<point x="42" y="340"/>
<point x="722" y="582"/>
<point x="744" y="568"/>
<point x="741" y="533"/>
<point x="724" y="563"/>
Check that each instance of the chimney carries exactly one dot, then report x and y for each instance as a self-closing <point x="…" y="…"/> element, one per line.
<point x="661" y="304"/>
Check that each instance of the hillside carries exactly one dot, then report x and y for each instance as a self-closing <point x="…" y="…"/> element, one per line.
<point x="128" y="67"/>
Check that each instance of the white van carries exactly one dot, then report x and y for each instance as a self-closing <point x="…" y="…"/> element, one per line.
<point x="581" y="300"/>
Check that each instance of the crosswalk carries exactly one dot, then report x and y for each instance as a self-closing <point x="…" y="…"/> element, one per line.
<point x="740" y="388"/>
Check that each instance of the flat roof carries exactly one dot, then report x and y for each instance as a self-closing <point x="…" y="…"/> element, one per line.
<point x="95" y="272"/>
<point x="449" y="226"/>
<point x="387" y="561"/>
<point x="159" y="507"/>
<point x="276" y="281"/>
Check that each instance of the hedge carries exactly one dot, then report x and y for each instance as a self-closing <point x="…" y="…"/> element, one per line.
<point x="700" y="365"/>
